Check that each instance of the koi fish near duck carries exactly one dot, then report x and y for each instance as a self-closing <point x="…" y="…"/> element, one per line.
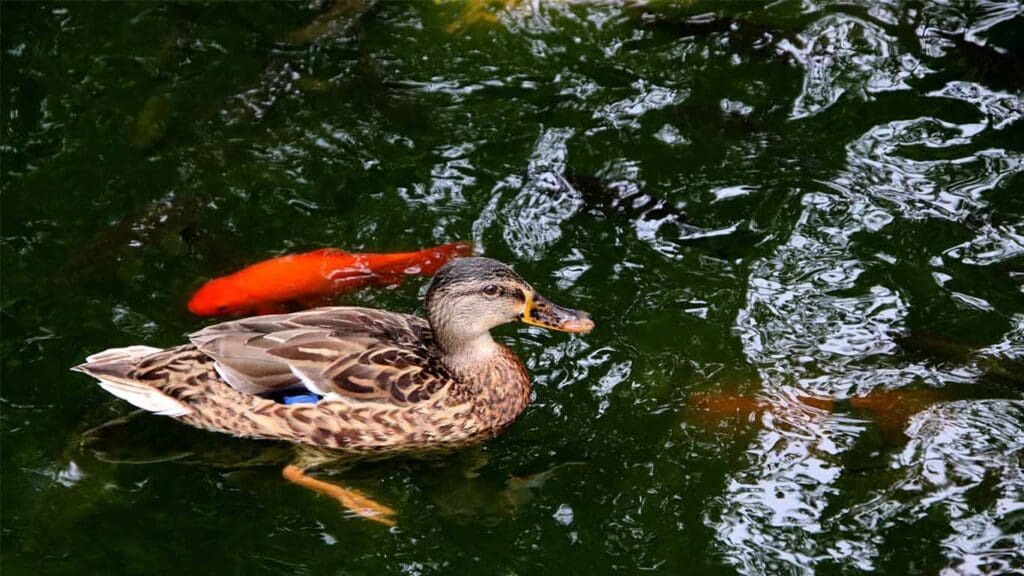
<point x="312" y="277"/>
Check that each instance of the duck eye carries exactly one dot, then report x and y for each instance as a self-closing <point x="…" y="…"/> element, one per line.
<point x="491" y="290"/>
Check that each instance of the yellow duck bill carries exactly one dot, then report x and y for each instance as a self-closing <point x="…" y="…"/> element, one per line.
<point x="539" y="311"/>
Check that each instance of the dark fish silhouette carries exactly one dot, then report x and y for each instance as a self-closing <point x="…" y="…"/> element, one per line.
<point x="691" y="25"/>
<point x="162" y="222"/>
<point x="747" y="33"/>
<point x="992" y="66"/>
<point x="623" y="197"/>
<point x="627" y="199"/>
<point x="996" y="369"/>
<point x="334" y="20"/>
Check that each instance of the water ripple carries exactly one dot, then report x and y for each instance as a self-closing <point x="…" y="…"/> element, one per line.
<point x="535" y="214"/>
<point x="816" y="323"/>
<point x="964" y="461"/>
<point x="843" y="54"/>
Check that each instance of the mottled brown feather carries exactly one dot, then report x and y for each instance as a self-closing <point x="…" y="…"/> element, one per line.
<point x="357" y="353"/>
<point x="389" y="391"/>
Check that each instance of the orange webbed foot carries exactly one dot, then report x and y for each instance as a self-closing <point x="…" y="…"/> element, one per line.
<point x="352" y="499"/>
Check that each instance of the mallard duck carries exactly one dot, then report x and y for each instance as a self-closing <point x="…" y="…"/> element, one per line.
<point x="387" y="382"/>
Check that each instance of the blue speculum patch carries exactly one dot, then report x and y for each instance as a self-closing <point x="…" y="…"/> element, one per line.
<point x="299" y="399"/>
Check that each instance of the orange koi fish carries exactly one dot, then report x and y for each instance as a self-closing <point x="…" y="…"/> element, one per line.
<point x="311" y="277"/>
<point x="709" y="409"/>
<point x="891" y="409"/>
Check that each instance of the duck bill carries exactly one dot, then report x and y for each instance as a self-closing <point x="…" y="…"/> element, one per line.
<point x="540" y="311"/>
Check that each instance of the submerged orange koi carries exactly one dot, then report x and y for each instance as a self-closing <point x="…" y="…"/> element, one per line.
<point x="309" y="278"/>
<point x="891" y="409"/>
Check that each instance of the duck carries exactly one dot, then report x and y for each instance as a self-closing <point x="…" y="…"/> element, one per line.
<point x="381" y="383"/>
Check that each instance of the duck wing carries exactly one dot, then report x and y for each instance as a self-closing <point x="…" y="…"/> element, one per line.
<point x="359" y="354"/>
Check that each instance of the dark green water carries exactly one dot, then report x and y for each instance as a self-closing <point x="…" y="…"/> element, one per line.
<point x="854" y="223"/>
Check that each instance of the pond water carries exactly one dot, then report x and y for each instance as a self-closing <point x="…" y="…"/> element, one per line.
<point x="766" y="207"/>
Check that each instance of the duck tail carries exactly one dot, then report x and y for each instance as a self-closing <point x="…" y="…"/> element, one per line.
<point x="114" y="368"/>
<point x="127" y="354"/>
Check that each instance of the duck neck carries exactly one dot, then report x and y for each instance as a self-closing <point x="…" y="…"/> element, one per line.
<point x="490" y="376"/>
<point x="466" y="356"/>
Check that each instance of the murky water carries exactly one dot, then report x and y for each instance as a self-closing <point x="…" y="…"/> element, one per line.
<point x="765" y="207"/>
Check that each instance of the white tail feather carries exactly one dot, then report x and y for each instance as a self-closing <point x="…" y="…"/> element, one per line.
<point x="120" y="354"/>
<point x="110" y="368"/>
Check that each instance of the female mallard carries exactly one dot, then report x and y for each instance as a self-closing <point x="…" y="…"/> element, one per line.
<point x="389" y="382"/>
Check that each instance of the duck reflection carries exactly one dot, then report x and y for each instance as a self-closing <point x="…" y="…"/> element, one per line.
<point x="456" y="483"/>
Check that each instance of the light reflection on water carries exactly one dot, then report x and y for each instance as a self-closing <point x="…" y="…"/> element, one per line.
<point x="765" y="203"/>
<point x="814" y="324"/>
<point x="544" y="200"/>
<point x="964" y="460"/>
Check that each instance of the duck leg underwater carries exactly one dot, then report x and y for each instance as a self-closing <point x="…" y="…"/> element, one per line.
<point x="354" y="500"/>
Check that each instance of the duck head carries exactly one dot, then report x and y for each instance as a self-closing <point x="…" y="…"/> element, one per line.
<point x="469" y="296"/>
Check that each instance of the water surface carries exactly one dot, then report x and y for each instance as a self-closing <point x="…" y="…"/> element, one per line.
<point x="762" y="202"/>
